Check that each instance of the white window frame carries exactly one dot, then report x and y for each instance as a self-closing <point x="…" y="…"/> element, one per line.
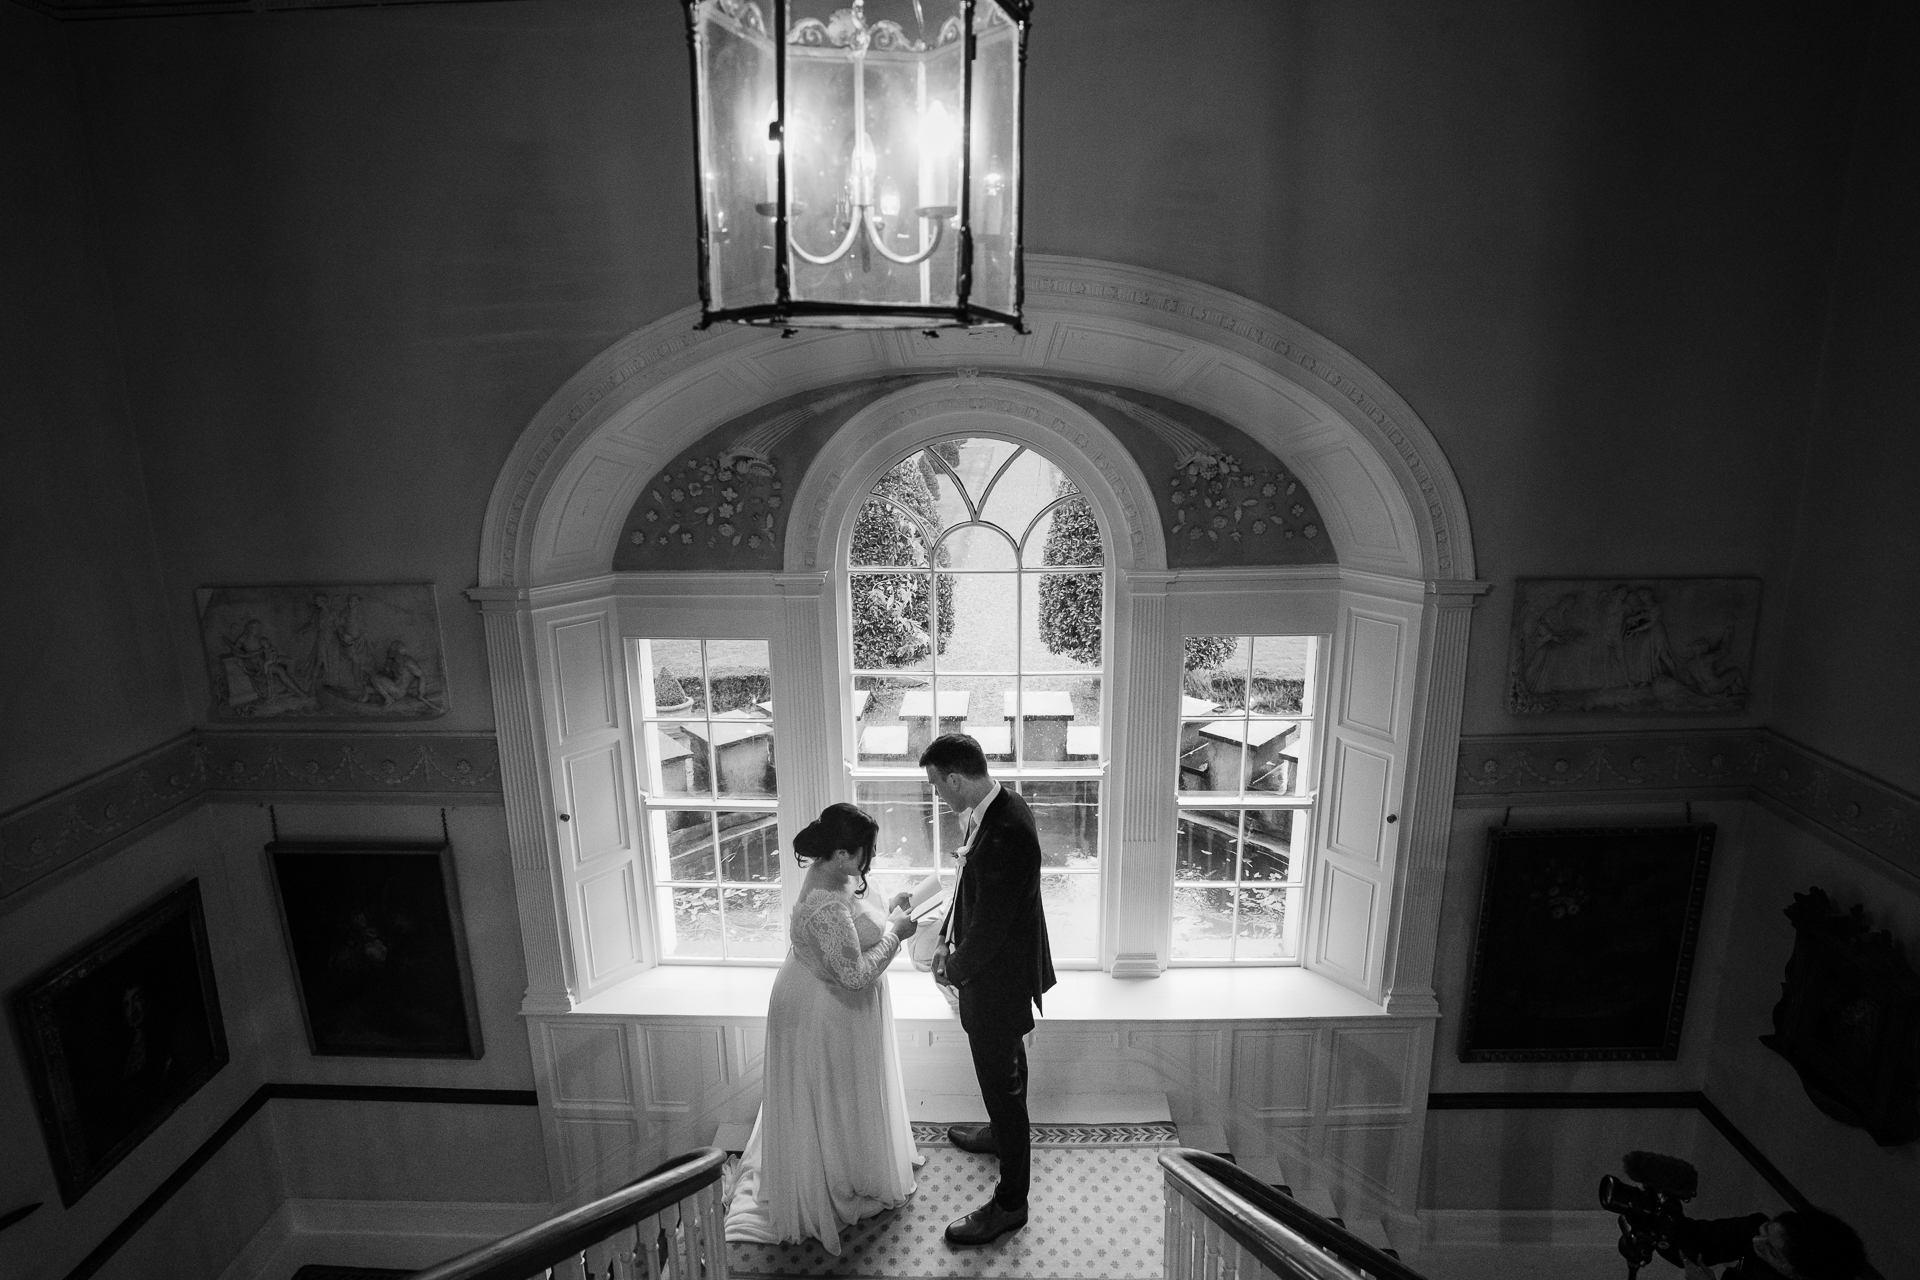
<point x="1303" y="803"/>
<point x="1016" y="771"/>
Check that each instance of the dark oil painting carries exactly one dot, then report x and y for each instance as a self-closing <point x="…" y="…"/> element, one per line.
<point x="378" y="949"/>
<point x="118" y="1034"/>
<point x="1585" y="944"/>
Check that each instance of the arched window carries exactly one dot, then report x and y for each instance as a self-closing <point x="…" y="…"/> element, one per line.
<point x="976" y="602"/>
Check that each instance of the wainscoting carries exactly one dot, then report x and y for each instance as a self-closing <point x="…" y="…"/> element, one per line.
<point x="1333" y="1091"/>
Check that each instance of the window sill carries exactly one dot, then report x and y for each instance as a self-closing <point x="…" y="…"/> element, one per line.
<point x="716" y="994"/>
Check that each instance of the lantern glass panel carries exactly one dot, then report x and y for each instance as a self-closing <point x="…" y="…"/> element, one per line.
<point x="994" y="213"/>
<point x="736" y="88"/>
<point x="873" y="124"/>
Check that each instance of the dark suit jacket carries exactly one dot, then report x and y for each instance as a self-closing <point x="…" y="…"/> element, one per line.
<point x="1000" y="960"/>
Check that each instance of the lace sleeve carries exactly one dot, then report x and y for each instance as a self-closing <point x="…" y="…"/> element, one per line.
<point x="830" y="930"/>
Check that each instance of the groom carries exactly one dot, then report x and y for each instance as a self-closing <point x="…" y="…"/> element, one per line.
<point x="994" y="951"/>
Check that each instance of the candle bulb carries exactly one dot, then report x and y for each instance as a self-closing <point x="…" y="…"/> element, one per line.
<point x="773" y="155"/>
<point x="936" y="137"/>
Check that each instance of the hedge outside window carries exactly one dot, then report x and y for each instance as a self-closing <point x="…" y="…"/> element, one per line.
<point x="977" y="585"/>
<point x="1244" y="777"/>
<point x="708" y="786"/>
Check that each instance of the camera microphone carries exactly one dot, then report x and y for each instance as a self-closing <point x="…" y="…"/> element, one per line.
<point x="1667" y="1174"/>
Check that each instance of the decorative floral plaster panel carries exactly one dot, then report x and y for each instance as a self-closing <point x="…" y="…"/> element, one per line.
<point x="724" y="503"/>
<point x="163" y="784"/>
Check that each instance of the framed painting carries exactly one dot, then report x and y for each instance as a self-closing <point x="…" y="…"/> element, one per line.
<point x="1674" y="645"/>
<point x="1585" y="944"/>
<point x="378" y="948"/>
<point x="323" y="652"/>
<point x="118" y="1034"/>
<point x="1849" y="1020"/>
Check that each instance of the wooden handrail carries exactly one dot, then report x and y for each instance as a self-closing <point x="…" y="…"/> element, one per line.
<point x="549" y="1243"/>
<point x="1289" y="1239"/>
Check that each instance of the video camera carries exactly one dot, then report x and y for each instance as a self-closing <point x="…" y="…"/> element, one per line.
<point x="1651" y="1220"/>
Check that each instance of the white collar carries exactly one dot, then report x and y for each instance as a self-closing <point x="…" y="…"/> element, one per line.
<point x="976" y="815"/>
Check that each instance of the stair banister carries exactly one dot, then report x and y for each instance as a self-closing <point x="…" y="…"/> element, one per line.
<point x="1281" y="1236"/>
<point x="684" y="1192"/>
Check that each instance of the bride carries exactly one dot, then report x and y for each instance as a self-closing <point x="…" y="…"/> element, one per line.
<point x="831" y="1145"/>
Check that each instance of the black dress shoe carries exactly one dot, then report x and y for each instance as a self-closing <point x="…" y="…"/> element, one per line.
<point x="985" y="1225"/>
<point x="977" y="1138"/>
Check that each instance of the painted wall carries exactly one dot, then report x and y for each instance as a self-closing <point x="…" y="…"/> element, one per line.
<point x="1837" y="1167"/>
<point x="1846" y="684"/>
<point x="354" y="250"/>
<point x="360" y="1151"/>
<point x="89" y="675"/>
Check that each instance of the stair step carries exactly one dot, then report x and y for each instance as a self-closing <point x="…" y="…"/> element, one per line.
<point x="1205" y="1137"/>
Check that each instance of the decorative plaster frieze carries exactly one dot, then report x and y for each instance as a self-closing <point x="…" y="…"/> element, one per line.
<point x="40" y="838"/>
<point x="166" y="782"/>
<point x="1602" y="762"/>
<point x="409" y="764"/>
<point x="1853" y="806"/>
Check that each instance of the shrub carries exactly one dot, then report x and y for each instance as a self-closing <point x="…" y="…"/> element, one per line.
<point x="1070" y="604"/>
<point x="886" y="605"/>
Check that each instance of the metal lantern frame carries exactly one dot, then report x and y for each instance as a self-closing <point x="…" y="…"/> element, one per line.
<point x="786" y="310"/>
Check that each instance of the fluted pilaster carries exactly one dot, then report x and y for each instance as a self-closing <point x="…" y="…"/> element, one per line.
<point x="1429" y="804"/>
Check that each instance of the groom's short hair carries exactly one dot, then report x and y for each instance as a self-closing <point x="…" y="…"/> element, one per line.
<point x="955" y="753"/>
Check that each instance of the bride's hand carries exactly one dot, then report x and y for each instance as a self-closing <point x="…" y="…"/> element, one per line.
<point x="902" y="924"/>
<point x="901" y="901"/>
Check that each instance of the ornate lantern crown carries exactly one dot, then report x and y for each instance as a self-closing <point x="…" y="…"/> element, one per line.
<point x="863" y="172"/>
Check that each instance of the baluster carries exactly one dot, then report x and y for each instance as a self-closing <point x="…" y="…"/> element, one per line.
<point x="696" y="1220"/>
<point x="682" y="1247"/>
<point x="648" y="1231"/>
<point x="716" y="1233"/>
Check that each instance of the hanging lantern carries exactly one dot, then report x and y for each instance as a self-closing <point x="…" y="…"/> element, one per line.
<point x="863" y="171"/>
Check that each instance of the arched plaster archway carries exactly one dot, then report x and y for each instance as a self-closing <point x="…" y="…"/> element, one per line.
<point x="1391" y="502"/>
<point x="1392" y="507"/>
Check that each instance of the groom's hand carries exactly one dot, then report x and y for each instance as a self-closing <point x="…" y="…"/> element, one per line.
<point x="902" y="901"/>
<point x="940" y="965"/>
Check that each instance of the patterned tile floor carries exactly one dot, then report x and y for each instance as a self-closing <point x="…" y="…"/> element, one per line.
<point x="1095" y="1213"/>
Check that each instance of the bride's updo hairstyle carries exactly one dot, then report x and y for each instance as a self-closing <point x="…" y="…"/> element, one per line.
<point x="839" y="826"/>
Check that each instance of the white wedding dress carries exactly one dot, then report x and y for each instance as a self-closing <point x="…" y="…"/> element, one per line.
<point x="831" y="1144"/>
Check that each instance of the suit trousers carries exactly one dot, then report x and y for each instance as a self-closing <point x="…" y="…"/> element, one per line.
<point x="1000" y="1063"/>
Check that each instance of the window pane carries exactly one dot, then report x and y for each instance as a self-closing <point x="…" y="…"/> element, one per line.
<point x="676" y="761"/>
<point x="887" y="534"/>
<point x="1216" y="669"/>
<point x="1067" y="815"/>
<point x="1060" y="617"/>
<point x="1221" y="747"/>
<point x="755" y="924"/>
<point x="1277" y="756"/>
<point x="742" y="751"/>
<point x="1282" y="668"/>
<point x="749" y="848"/>
<point x="879" y="731"/>
<point x="983" y="702"/>
<point x="1263" y="927"/>
<point x="739" y="675"/>
<point x="1029" y="483"/>
<point x="1202" y="924"/>
<point x="1196" y="758"/>
<point x="893" y="619"/>
<point x="1204" y="844"/>
<point x="675" y="689"/>
<point x="1068" y="534"/>
<point x="978" y="547"/>
<point x="1268" y="851"/>
<point x="690" y="923"/>
<point x="976" y="462"/>
<point x="1052" y="708"/>
<point x="1072" y="904"/>
<point x="904" y="811"/>
<point x="689" y="845"/>
<point x="981" y="636"/>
